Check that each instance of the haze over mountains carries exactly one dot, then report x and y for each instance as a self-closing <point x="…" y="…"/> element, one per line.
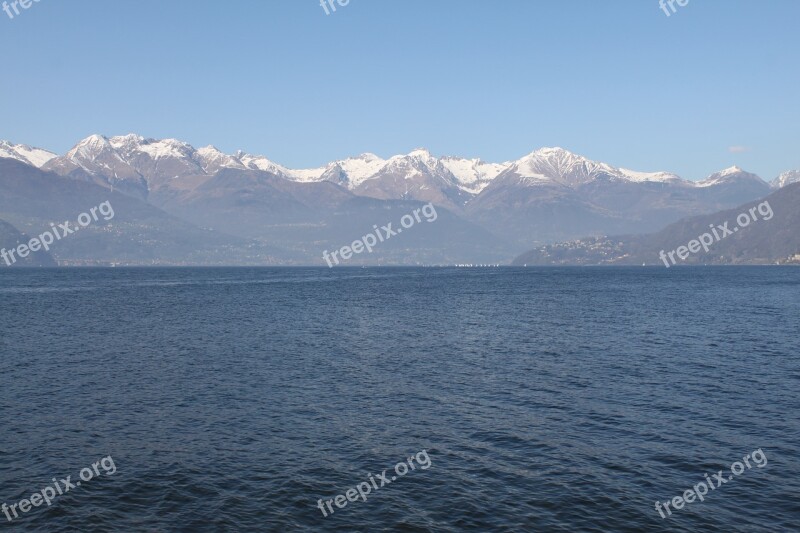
<point x="768" y="240"/>
<point x="10" y="238"/>
<point x="259" y="211"/>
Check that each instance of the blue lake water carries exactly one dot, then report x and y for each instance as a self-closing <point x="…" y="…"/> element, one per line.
<point x="547" y="399"/>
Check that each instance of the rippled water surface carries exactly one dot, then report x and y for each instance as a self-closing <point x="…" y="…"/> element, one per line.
<point x="547" y="399"/>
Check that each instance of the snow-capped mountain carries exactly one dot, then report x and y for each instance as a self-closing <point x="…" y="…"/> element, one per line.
<point x="559" y="192"/>
<point x="149" y="163"/>
<point x="787" y="178"/>
<point x="562" y="166"/>
<point x="733" y="185"/>
<point x="27" y="154"/>
<point x="416" y="176"/>
<point x="730" y="175"/>
<point x="95" y="159"/>
<point x="548" y="178"/>
<point x="136" y="164"/>
<point x="473" y="175"/>
<point x="469" y="175"/>
<point x="142" y="164"/>
<point x="653" y="177"/>
<point x="548" y="195"/>
<point x="213" y="160"/>
<point x="548" y="165"/>
<point x="130" y="162"/>
<point x="358" y="169"/>
<point x="259" y="162"/>
<point x="349" y="173"/>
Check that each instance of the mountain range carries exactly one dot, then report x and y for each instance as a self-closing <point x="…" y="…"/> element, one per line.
<point x="259" y="211"/>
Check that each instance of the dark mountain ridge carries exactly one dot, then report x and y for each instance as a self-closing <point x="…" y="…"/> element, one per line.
<point x="765" y="231"/>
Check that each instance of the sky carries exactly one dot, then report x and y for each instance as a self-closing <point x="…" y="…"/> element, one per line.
<point x="714" y="84"/>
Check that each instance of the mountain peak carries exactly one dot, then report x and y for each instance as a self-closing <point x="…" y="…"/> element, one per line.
<point x="26" y="154"/>
<point x="786" y="178"/>
<point x="212" y="159"/>
<point x="562" y="166"/>
<point x="420" y="152"/>
<point x="94" y="139"/>
<point x="731" y="170"/>
<point x="262" y="163"/>
<point x="367" y="156"/>
<point x="174" y="142"/>
<point x="556" y="156"/>
<point x="554" y="150"/>
<point x="211" y="149"/>
<point x="129" y="138"/>
<point x="137" y="156"/>
<point x="90" y="147"/>
<point x="730" y="175"/>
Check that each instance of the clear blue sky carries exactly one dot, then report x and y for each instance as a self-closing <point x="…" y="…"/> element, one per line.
<point x="615" y="80"/>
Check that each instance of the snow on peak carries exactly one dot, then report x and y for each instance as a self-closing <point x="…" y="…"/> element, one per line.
<point x="30" y="155"/>
<point x="421" y="153"/>
<point x="640" y="177"/>
<point x="567" y="168"/>
<point x="557" y="155"/>
<point x="418" y="162"/>
<point x="546" y="151"/>
<point x="126" y="146"/>
<point x="561" y="165"/>
<point x="90" y="147"/>
<point x="359" y="169"/>
<point x="729" y="175"/>
<point x="420" y="159"/>
<point x="125" y="141"/>
<point x="95" y="139"/>
<point x="787" y="178"/>
<point x="474" y="175"/>
<point x="138" y="155"/>
<point x="730" y="170"/>
<point x="259" y="162"/>
<point x="210" y="149"/>
<point x="164" y="148"/>
<point x="212" y="159"/>
<point x="213" y="153"/>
